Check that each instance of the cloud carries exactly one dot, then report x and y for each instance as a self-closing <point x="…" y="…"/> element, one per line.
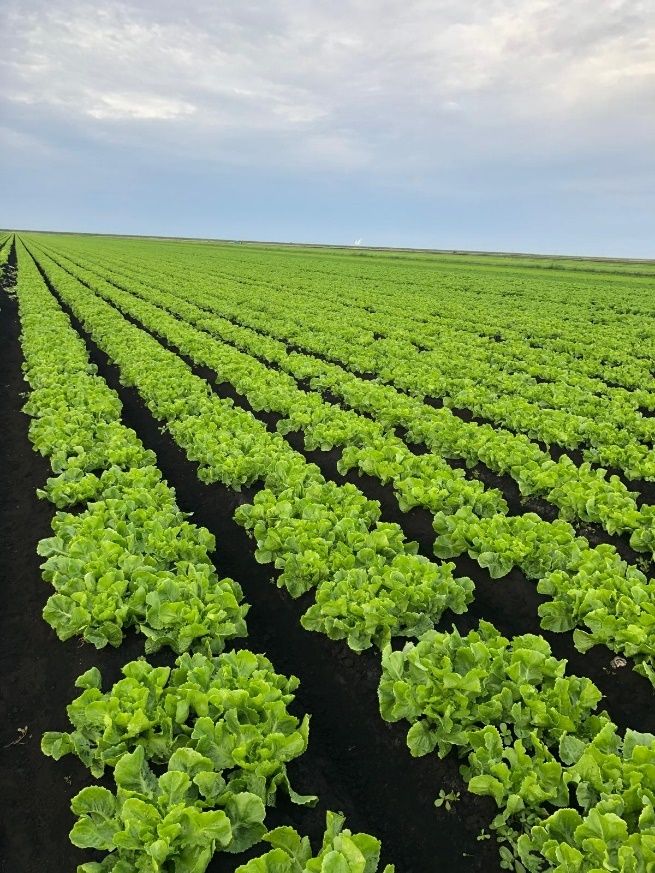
<point x="420" y="95"/>
<point x="344" y="80"/>
<point x="134" y="105"/>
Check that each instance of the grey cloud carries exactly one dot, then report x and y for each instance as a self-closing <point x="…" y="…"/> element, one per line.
<point x="425" y="95"/>
<point x="356" y="74"/>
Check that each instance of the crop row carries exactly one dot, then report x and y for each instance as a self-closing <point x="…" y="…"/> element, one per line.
<point x="554" y="412"/>
<point x="616" y="433"/>
<point x="5" y="250"/>
<point x="127" y="556"/>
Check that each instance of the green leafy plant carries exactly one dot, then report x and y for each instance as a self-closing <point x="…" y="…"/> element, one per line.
<point x="175" y="821"/>
<point x="341" y="852"/>
<point x="232" y="709"/>
<point x="447" y="799"/>
<point x="133" y="559"/>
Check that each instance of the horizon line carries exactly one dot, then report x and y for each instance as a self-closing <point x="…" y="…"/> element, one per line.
<point x="348" y="246"/>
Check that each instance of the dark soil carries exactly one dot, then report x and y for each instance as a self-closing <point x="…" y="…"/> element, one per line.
<point x="356" y="762"/>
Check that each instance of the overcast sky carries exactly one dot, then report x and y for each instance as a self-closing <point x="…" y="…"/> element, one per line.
<point x="524" y="125"/>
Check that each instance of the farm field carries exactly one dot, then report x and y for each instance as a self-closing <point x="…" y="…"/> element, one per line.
<point x="290" y="533"/>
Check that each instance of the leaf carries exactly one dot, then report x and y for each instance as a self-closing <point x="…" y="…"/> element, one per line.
<point x="288" y="839"/>
<point x="206" y="828"/>
<point x="133" y="774"/>
<point x="335" y="862"/>
<point x="189" y="761"/>
<point x="246" y="813"/>
<point x="275" y="861"/>
<point x="570" y="748"/>
<point x="96" y="827"/>
<point x="488" y="785"/>
<point x="56" y="744"/>
<point x="174" y="787"/>
<point x="562" y="825"/>
<point x="159" y="851"/>
<point x="420" y="740"/>
<point x="94" y="800"/>
<point x="91" y="679"/>
<point x="634" y="739"/>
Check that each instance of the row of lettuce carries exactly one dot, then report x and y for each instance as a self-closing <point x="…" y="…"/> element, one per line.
<point x="5" y="250"/>
<point x="528" y="734"/>
<point x="570" y="410"/>
<point x="552" y="402"/>
<point x="607" y="423"/>
<point x="216" y="725"/>
<point x="592" y="590"/>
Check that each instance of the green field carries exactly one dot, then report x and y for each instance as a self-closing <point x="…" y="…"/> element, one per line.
<point x="423" y="483"/>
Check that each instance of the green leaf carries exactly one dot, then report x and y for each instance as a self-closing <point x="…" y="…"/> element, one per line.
<point x="94" y="800"/>
<point x="91" y="679"/>
<point x="487" y="785"/>
<point x="56" y="744"/>
<point x="207" y="828"/>
<point x="275" y="861"/>
<point x="246" y="813"/>
<point x="420" y="740"/>
<point x="133" y="774"/>
<point x="97" y="826"/>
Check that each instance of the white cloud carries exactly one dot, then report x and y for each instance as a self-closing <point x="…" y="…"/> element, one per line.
<point x="146" y="106"/>
<point x="389" y="85"/>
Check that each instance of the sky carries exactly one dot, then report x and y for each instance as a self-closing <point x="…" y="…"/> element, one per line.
<point x="508" y="125"/>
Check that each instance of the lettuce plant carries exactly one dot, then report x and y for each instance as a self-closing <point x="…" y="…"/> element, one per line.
<point x="174" y="822"/>
<point x="130" y="559"/>
<point x="402" y="596"/>
<point x="233" y="709"/>
<point x="451" y="686"/>
<point x="341" y="852"/>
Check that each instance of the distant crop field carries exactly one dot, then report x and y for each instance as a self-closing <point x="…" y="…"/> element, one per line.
<point x="298" y="534"/>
